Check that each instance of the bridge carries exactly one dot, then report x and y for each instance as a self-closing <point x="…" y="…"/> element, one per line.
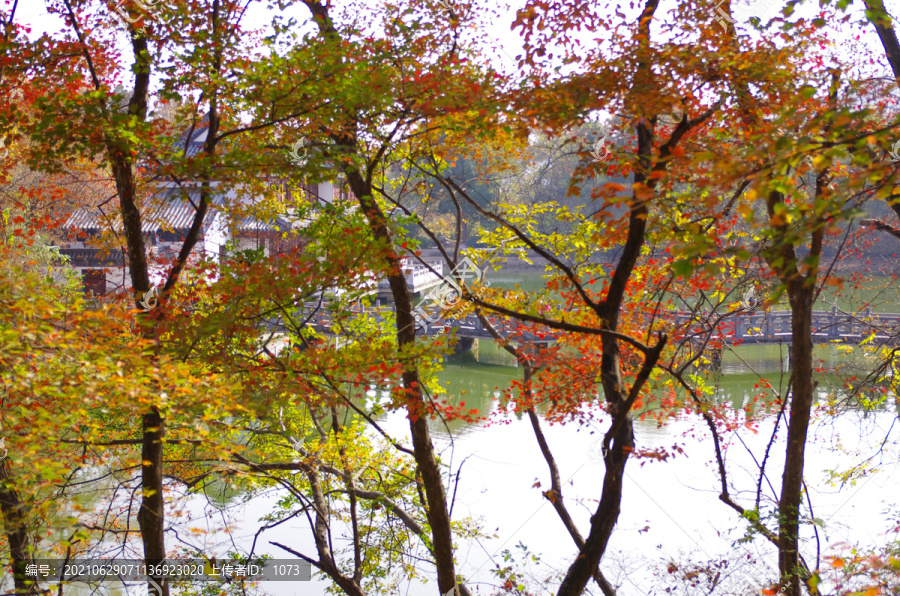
<point x="419" y="277"/>
<point x="828" y="326"/>
<point x="763" y="327"/>
<point x="466" y="327"/>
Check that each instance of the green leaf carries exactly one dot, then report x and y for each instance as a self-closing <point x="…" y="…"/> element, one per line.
<point x="682" y="268"/>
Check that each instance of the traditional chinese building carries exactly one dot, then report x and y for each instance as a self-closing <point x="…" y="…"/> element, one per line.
<point x="166" y="219"/>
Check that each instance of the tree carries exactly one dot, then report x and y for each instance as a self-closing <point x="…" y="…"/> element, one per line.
<point x="386" y="92"/>
<point x="693" y="209"/>
<point x="78" y="110"/>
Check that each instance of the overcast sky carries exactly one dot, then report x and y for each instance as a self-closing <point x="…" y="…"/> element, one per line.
<point x="506" y="44"/>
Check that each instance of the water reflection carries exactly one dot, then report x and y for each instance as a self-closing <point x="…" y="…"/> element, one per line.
<point x="670" y="509"/>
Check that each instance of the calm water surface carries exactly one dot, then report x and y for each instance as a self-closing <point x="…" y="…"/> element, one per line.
<point x="670" y="509"/>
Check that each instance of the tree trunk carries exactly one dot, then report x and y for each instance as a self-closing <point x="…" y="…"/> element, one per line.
<point x="614" y="390"/>
<point x="438" y="514"/>
<point x="437" y="510"/>
<point x="13" y="512"/>
<point x="881" y="20"/>
<point x="152" y="513"/>
<point x="801" y="298"/>
<point x="554" y="495"/>
<point x="150" y="516"/>
<point x="349" y="585"/>
<point x="604" y="519"/>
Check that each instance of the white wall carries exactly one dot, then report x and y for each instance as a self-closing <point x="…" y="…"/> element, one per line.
<point x="216" y="236"/>
<point x="326" y="191"/>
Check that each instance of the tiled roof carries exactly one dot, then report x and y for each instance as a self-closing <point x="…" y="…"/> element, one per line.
<point x="197" y="140"/>
<point x="249" y="224"/>
<point x="167" y="211"/>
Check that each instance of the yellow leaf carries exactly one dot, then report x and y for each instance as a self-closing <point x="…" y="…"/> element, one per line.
<point x="813" y="582"/>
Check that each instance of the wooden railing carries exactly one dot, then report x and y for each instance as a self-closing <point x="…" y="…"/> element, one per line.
<point x="828" y="326"/>
<point x="762" y="327"/>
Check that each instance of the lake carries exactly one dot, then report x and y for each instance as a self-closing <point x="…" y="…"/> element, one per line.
<point x="670" y="510"/>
